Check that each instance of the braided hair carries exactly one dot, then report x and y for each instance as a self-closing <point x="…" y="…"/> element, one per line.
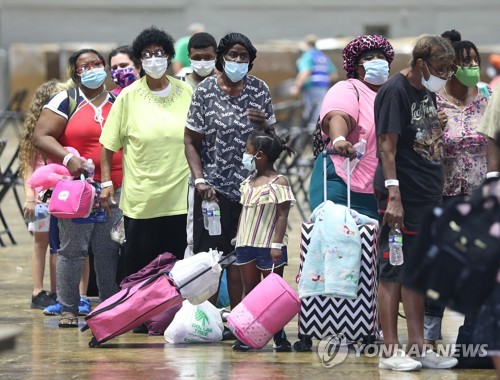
<point x="267" y="141"/>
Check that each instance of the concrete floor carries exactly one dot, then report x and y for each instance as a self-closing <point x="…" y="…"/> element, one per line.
<point x="44" y="351"/>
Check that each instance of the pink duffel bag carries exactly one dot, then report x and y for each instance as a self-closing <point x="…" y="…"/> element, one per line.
<point x="264" y="311"/>
<point x="72" y="199"/>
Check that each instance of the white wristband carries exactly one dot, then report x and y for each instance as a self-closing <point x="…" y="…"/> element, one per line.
<point x="276" y="245"/>
<point x="391" y="182"/>
<point x="199" y="180"/>
<point x="66" y="158"/>
<point x="492" y="174"/>
<point x="106" y="184"/>
<point x="337" y="139"/>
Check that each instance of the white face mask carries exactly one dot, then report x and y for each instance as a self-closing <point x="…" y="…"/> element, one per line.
<point x="155" y="67"/>
<point x="203" y="68"/>
<point x="434" y="83"/>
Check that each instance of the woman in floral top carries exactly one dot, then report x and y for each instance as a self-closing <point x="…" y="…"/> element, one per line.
<point x="463" y="104"/>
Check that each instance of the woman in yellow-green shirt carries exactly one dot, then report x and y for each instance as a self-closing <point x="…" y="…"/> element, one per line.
<point x="147" y="122"/>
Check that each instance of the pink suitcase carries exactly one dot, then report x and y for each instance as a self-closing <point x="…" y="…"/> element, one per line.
<point x="131" y="307"/>
<point x="264" y="311"/>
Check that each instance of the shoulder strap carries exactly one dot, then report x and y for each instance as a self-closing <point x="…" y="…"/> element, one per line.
<point x="73" y="94"/>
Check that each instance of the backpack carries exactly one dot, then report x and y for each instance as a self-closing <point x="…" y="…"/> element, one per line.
<point x="73" y="94"/>
<point x="456" y="255"/>
<point x="320" y="144"/>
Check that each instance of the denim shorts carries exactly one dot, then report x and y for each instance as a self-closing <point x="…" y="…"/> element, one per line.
<point x="261" y="256"/>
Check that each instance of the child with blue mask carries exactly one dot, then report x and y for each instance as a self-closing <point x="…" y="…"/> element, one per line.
<point x="261" y="238"/>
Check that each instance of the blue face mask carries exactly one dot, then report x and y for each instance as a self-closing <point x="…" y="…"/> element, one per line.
<point x="376" y="71"/>
<point x="235" y="71"/>
<point x="248" y="162"/>
<point x="93" y="78"/>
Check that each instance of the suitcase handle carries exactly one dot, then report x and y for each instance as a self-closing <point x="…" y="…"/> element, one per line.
<point x="325" y="153"/>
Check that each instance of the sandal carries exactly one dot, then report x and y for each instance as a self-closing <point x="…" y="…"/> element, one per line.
<point x="68" y="321"/>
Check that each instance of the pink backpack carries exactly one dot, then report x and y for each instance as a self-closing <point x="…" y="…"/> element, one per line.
<point x="72" y="199"/>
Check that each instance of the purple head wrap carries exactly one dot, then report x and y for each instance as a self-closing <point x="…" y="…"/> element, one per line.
<point x="362" y="44"/>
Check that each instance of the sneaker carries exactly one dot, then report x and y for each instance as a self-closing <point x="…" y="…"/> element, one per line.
<point x="399" y="362"/>
<point x="53" y="309"/>
<point x="240" y="346"/>
<point x="228" y="334"/>
<point x="281" y="344"/>
<point x="42" y="300"/>
<point x="430" y="359"/>
<point x="223" y="314"/>
<point x="84" y="306"/>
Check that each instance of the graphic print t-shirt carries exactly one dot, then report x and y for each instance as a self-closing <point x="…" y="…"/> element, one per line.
<point x="401" y="108"/>
<point x="223" y="121"/>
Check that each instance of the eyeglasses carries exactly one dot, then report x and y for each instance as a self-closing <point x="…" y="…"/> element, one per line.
<point x="233" y="55"/>
<point x="153" y="53"/>
<point x="443" y="72"/>
<point x="82" y="69"/>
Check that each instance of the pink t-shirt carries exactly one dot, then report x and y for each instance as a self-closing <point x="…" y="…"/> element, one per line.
<point x="343" y="97"/>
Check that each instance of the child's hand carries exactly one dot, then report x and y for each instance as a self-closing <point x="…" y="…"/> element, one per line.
<point x="275" y="255"/>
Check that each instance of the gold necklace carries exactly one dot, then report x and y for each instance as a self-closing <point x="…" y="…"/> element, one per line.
<point x="458" y="101"/>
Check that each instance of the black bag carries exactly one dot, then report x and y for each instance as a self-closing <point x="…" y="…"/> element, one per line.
<point x="456" y="255"/>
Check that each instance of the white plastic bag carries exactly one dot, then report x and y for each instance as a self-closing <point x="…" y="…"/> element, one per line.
<point x="195" y="324"/>
<point x="204" y="286"/>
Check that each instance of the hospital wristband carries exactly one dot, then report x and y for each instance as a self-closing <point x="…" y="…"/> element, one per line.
<point x="66" y="158"/>
<point x="106" y="184"/>
<point x="337" y="139"/>
<point x="199" y="180"/>
<point x="492" y="174"/>
<point x="276" y="245"/>
<point x="391" y="182"/>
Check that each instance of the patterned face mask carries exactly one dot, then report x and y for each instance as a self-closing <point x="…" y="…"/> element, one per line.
<point x="123" y="77"/>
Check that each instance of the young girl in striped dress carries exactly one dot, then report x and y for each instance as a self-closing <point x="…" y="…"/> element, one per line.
<point x="266" y="197"/>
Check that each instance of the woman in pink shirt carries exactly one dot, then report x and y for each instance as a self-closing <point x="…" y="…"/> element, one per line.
<point x="347" y="118"/>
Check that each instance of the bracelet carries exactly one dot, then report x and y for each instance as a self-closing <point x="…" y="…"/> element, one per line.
<point x="276" y="245"/>
<point x="106" y="184"/>
<point x="391" y="182"/>
<point x="66" y="158"/>
<point x="199" y="180"/>
<point x="492" y="174"/>
<point x="337" y="139"/>
<point x="26" y="201"/>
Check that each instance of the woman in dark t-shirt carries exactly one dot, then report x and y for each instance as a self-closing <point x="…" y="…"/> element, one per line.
<point x="409" y="178"/>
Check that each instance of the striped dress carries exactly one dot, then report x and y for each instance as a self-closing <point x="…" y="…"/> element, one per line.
<point x="259" y="217"/>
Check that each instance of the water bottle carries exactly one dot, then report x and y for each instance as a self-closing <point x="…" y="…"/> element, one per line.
<point x="204" y="212"/>
<point x="213" y="216"/>
<point x="89" y="167"/>
<point x="118" y="231"/>
<point x="360" y="148"/>
<point x="396" y="246"/>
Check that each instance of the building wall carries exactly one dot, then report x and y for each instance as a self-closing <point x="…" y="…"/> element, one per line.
<point x="119" y="21"/>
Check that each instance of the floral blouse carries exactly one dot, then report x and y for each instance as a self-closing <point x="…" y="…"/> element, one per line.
<point x="464" y="148"/>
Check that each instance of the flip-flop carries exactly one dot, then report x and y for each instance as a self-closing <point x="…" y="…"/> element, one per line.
<point x="67" y="321"/>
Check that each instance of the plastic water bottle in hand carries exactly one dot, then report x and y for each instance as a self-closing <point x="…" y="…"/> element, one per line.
<point x="204" y="212"/>
<point x="89" y="167"/>
<point x="213" y="216"/>
<point x="396" y="246"/>
<point x="360" y="148"/>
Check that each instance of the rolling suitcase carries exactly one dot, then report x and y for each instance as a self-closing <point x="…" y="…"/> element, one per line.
<point x="350" y="319"/>
<point x="134" y="305"/>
